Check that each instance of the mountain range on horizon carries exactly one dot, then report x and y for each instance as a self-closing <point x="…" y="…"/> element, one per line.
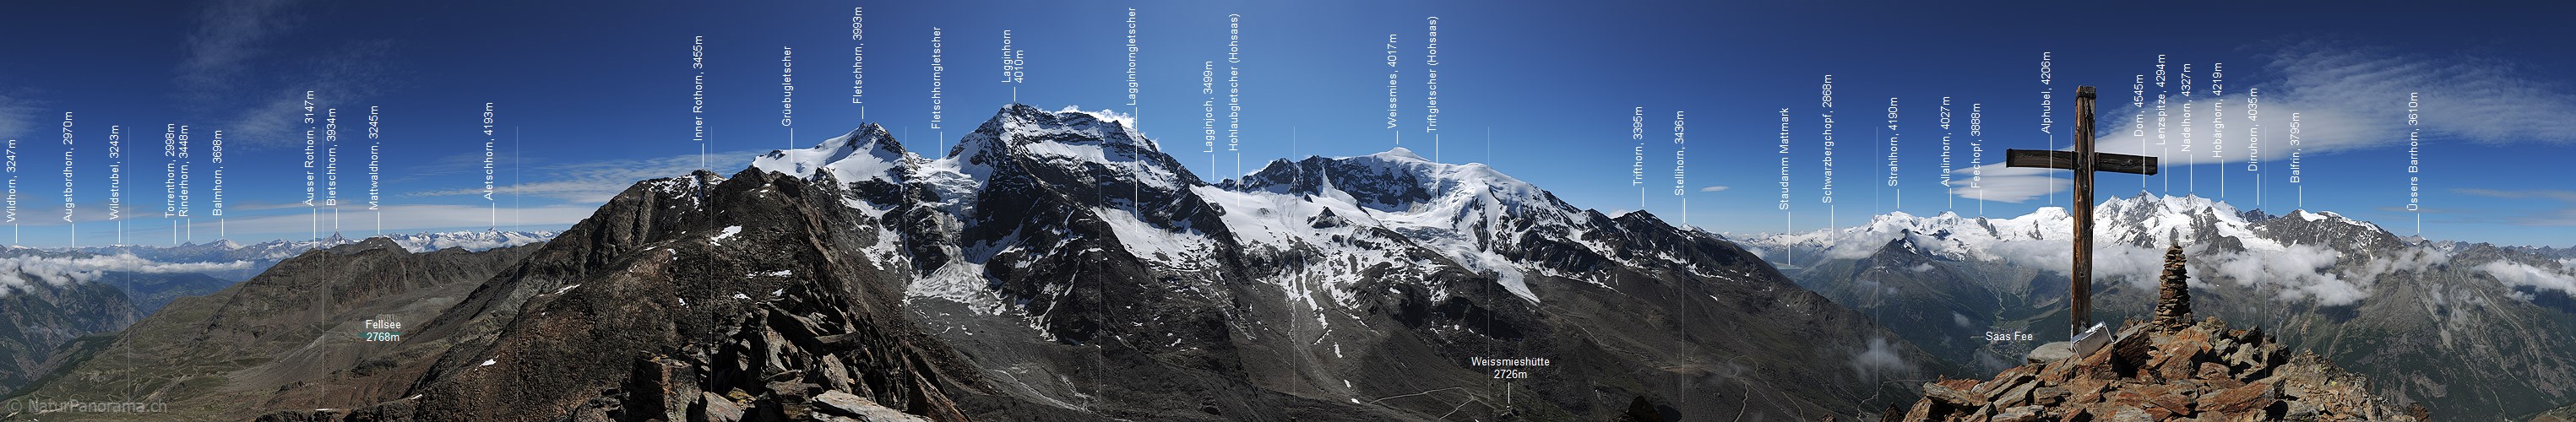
<point x="1205" y="211"/>
<point x="1058" y="265"/>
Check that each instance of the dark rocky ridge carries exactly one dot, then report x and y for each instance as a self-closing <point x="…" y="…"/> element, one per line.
<point x="594" y="325"/>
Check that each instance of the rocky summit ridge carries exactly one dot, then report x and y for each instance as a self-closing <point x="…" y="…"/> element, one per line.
<point x="2167" y="369"/>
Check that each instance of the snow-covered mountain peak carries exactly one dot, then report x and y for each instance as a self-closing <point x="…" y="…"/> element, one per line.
<point x="1903" y="244"/>
<point x="2304" y="215"/>
<point x="415" y="242"/>
<point x="469" y="240"/>
<point x="2332" y="216"/>
<point x="217" y="244"/>
<point x="2184" y="205"/>
<point x="1399" y="153"/>
<point x="1636" y="216"/>
<point x="1019" y="126"/>
<point x="862" y="154"/>
<point x="1092" y="144"/>
<point x="1398" y="181"/>
<point x="1103" y="115"/>
<point x="1487" y="221"/>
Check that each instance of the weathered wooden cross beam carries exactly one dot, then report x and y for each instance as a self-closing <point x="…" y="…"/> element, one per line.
<point x="2084" y="161"/>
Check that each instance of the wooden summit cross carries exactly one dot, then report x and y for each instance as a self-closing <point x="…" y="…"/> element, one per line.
<point x="2084" y="162"/>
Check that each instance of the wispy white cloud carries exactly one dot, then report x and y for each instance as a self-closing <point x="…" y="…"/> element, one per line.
<point x="595" y="182"/>
<point x="17" y="116"/>
<point x="2299" y="271"/>
<point x="1994" y="182"/>
<point x="2519" y="274"/>
<point x="229" y="71"/>
<point x="265" y="205"/>
<point x="413" y="218"/>
<point x="2345" y="99"/>
<point x="463" y="164"/>
<point x="2565" y="215"/>
<point x="2561" y="195"/>
<point x="342" y="79"/>
<point x="1880" y="358"/>
<point x="230" y="35"/>
<point x="2295" y="271"/>
<point x="17" y="271"/>
<point x="1713" y="189"/>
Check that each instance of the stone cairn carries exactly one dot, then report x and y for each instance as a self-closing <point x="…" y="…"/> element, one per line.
<point x="2173" y="300"/>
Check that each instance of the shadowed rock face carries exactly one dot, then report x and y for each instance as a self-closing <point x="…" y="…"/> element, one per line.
<point x="39" y="315"/>
<point x="683" y="295"/>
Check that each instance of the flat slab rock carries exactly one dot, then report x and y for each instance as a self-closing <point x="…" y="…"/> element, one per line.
<point x="2051" y="352"/>
<point x="853" y="407"/>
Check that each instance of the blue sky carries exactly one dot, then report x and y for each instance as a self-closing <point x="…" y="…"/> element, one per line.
<point x="597" y="93"/>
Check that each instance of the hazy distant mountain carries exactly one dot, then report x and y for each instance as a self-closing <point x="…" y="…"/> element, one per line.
<point x="263" y="254"/>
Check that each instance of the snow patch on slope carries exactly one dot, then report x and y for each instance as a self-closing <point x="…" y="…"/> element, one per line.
<point x="727" y="233"/>
<point x="1273" y="222"/>
<point x="1187" y="249"/>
